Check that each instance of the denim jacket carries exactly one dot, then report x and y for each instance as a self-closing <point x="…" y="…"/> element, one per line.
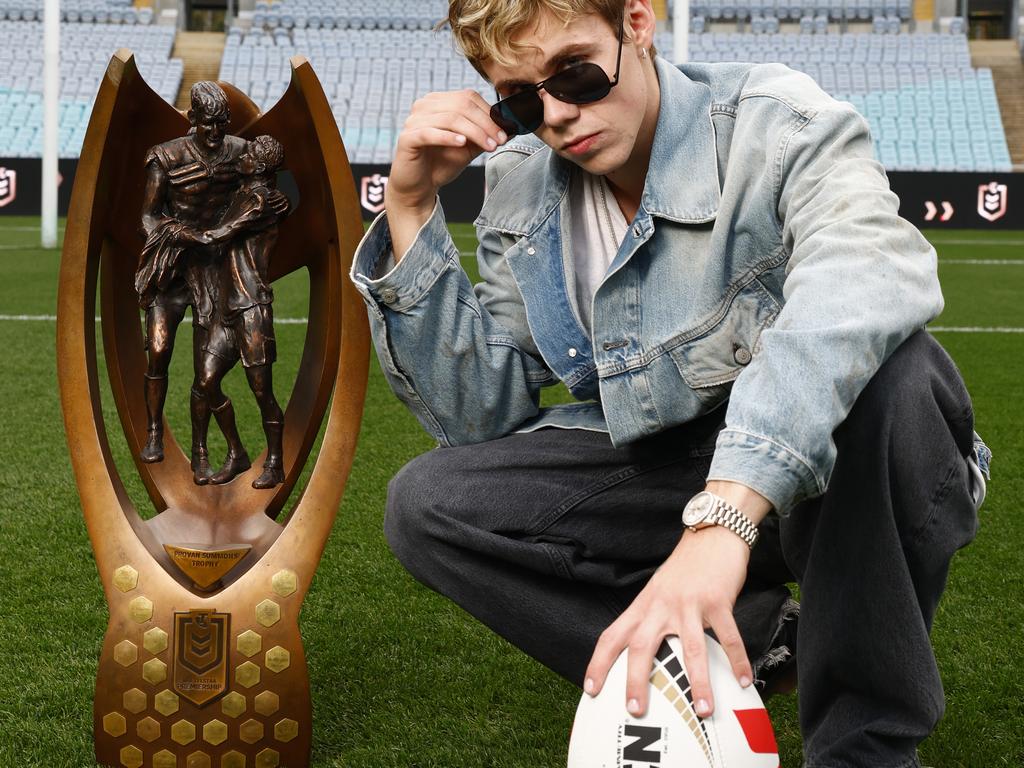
<point x="767" y="271"/>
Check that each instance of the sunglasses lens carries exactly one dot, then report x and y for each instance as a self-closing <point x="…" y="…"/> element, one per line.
<point x="523" y="112"/>
<point x="520" y="113"/>
<point x="582" y="84"/>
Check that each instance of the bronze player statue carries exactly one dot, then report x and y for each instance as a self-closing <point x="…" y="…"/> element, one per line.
<point x="243" y="326"/>
<point x="190" y="182"/>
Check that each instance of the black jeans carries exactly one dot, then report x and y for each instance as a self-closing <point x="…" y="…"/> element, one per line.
<point x="546" y="537"/>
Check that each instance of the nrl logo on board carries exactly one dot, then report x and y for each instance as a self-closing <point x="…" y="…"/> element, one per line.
<point x="371" y="193"/>
<point x="201" y="655"/>
<point x="8" y="186"/>
<point x="992" y="201"/>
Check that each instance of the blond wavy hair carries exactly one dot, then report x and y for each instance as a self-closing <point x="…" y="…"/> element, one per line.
<point x="483" y="29"/>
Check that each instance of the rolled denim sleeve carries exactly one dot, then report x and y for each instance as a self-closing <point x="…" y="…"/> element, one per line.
<point x="447" y="358"/>
<point x="860" y="280"/>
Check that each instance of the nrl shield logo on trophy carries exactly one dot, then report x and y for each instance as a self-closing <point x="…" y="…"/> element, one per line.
<point x="8" y="186"/>
<point x="179" y="221"/>
<point x="201" y="654"/>
<point x="992" y="201"/>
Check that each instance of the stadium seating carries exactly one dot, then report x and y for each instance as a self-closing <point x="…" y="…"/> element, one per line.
<point x="85" y="52"/>
<point x="927" y="108"/>
<point x="74" y="11"/>
<point x="371" y="76"/>
<point x="796" y="10"/>
<point x="353" y="14"/>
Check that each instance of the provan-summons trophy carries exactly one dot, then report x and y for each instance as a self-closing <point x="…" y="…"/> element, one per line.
<point x="202" y="664"/>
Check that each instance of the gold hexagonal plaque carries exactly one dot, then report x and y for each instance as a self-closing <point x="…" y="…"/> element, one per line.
<point x="148" y="729"/>
<point x="165" y="759"/>
<point x="268" y="613"/>
<point x="155" y="640"/>
<point x="215" y="732"/>
<point x="268" y="758"/>
<point x="126" y="578"/>
<point x="266" y="703"/>
<point x="233" y="704"/>
<point x="154" y="671"/>
<point x="126" y="653"/>
<point x="251" y="731"/>
<point x="134" y="701"/>
<point x="198" y="760"/>
<point x="247" y="674"/>
<point x="286" y="730"/>
<point x="115" y="724"/>
<point x="249" y="643"/>
<point x="233" y="759"/>
<point x="131" y="756"/>
<point x="284" y="582"/>
<point x="278" y="658"/>
<point x="141" y="609"/>
<point x="166" y="703"/>
<point x="183" y="732"/>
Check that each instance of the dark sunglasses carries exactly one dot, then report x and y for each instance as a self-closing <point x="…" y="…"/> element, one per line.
<point x="523" y="111"/>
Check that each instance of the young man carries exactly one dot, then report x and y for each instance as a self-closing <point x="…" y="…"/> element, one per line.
<point x="244" y="318"/>
<point x="712" y="262"/>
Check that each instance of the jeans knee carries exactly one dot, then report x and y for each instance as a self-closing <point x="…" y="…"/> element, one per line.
<point x="409" y="512"/>
<point x="917" y="390"/>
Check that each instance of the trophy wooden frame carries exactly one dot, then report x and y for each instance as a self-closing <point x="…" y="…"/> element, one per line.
<point x="194" y="673"/>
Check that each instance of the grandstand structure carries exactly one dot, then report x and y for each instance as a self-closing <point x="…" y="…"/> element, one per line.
<point x="929" y="107"/>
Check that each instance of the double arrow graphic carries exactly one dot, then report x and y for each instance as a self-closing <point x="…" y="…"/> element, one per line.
<point x="931" y="210"/>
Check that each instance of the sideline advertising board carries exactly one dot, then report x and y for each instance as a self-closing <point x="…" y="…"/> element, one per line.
<point x="927" y="200"/>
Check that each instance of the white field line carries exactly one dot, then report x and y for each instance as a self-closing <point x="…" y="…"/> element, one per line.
<point x="53" y="318"/>
<point x="971" y="329"/>
<point x="303" y="321"/>
<point x="1017" y="243"/>
<point x="984" y="262"/>
<point x="22" y="228"/>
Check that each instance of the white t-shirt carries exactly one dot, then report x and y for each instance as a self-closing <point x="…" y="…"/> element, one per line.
<point x="598" y="227"/>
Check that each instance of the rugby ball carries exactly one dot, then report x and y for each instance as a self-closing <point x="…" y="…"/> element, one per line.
<point x="670" y="735"/>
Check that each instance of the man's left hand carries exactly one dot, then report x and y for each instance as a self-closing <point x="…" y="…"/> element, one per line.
<point x="694" y="589"/>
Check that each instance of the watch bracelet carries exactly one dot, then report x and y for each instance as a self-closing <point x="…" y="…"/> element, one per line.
<point x="725" y="514"/>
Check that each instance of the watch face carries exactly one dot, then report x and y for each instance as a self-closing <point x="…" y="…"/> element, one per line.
<point x="698" y="508"/>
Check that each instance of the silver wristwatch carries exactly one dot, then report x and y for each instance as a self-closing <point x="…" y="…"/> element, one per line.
<point x="706" y="509"/>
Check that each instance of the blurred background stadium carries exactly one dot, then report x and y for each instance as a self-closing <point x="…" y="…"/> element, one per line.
<point x="940" y="81"/>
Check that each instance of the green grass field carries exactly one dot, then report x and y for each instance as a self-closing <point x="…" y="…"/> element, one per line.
<point x="401" y="677"/>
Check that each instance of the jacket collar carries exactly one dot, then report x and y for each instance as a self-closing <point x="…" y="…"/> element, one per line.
<point x="684" y="147"/>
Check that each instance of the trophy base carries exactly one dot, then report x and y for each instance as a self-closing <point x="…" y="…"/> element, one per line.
<point x="206" y="681"/>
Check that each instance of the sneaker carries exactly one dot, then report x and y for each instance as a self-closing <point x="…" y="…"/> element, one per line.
<point x="775" y="671"/>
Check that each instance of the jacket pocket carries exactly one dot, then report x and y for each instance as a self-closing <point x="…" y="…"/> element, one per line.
<point x="714" y="354"/>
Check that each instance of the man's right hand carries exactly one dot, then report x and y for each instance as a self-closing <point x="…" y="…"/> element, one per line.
<point x="442" y="135"/>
